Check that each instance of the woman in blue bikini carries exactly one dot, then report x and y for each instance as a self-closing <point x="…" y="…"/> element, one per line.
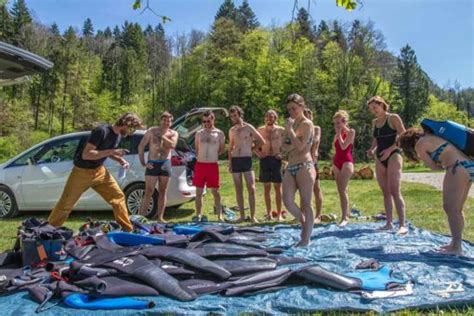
<point x="437" y="154"/>
<point x="300" y="173"/>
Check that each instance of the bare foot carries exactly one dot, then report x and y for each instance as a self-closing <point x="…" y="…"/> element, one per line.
<point x="385" y="227"/>
<point x="343" y="223"/>
<point x="161" y="220"/>
<point x="268" y="217"/>
<point x="254" y="220"/>
<point x="317" y="220"/>
<point x="220" y="218"/>
<point x="302" y="243"/>
<point x="446" y="246"/>
<point x="280" y="218"/>
<point x="402" y="230"/>
<point x="450" y="250"/>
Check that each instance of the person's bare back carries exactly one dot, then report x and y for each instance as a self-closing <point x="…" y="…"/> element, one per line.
<point x="159" y="147"/>
<point x="210" y="142"/>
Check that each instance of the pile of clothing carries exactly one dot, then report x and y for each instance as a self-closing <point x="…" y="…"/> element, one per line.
<point x="104" y="268"/>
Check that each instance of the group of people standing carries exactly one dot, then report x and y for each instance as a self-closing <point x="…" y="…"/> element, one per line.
<point x="288" y="157"/>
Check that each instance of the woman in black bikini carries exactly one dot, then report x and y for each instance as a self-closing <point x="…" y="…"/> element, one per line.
<point x="300" y="173"/>
<point x="388" y="166"/>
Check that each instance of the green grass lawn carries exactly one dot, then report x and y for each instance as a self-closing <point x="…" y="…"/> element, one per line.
<point x="424" y="209"/>
<point x="423" y="203"/>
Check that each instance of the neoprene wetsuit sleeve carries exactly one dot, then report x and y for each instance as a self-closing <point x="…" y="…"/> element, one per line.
<point x="83" y="301"/>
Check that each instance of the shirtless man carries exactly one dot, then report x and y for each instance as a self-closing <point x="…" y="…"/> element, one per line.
<point x="318" y="194"/>
<point x="161" y="140"/>
<point x="241" y="138"/>
<point x="270" y="162"/>
<point x="209" y="143"/>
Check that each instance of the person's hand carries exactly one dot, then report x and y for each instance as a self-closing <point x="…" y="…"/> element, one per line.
<point x="385" y="154"/>
<point x="370" y="153"/>
<point x="279" y="156"/>
<point x="120" y="152"/>
<point x="124" y="164"/>
<point x="289" y="123"/>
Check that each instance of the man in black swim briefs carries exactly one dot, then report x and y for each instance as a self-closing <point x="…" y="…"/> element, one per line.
<point x="241" y="140"/>
<point x="270" y="162"/>
<point x="161" y="140"/>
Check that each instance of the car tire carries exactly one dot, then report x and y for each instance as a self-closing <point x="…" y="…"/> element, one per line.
<point x="133" y="197"/>
<point x="8" y="206"/>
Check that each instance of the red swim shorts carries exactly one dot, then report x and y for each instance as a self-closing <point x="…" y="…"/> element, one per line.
<point x="206" y="174"/>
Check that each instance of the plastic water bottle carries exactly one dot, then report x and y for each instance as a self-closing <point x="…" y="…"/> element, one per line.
<point x="122" y="173"/>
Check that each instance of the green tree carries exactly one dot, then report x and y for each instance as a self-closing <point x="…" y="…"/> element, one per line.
<point x="304" y="23"/>
<point x="246" y="18"/>
<point x="411" y="85"/>
<point x="20" y="17"/>
<point x="6" y="26"/>
<point x="227" y="10"/>
<point x="88" y="28"/>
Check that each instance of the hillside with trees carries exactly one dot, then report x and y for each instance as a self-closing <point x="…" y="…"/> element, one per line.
<point x="99" y="74"/>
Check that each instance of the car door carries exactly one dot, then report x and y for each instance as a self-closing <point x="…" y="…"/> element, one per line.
<point x="44" y="178"/>
<point x="93" y="201"/>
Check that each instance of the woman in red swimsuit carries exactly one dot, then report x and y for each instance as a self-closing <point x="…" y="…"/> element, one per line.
<point x="343" y="164"/>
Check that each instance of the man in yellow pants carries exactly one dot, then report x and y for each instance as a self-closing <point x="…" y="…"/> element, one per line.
<point x="89" y="172"/>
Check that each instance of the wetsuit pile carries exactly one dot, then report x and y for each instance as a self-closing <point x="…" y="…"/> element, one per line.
<point x="106" y="268"/>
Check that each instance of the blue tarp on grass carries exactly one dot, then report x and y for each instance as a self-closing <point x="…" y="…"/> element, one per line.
<point x="337" y="249"/>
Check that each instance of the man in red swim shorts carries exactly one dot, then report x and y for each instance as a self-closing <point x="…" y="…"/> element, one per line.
<point x="209" y="144"/>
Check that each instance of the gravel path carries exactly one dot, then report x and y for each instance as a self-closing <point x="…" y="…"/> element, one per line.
<point x="434" y="179"/>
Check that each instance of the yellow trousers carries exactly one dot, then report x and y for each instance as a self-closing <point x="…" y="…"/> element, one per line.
<point x="103" y="183"/>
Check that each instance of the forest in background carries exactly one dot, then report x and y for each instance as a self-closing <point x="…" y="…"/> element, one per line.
<point x="99" y="74"/>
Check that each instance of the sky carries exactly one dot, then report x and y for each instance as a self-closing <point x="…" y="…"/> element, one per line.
<point x="440" y="31"/>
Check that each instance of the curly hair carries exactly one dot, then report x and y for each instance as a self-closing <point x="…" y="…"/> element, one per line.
<point x="130" y="120"/>
<point x="407" y="142"/>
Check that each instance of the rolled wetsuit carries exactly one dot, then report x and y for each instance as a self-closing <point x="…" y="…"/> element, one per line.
<point x="142" y="269"/>
<point x="188" y="258"/>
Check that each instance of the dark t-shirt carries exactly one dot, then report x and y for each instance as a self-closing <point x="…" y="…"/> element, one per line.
<point x="103" y="138"/>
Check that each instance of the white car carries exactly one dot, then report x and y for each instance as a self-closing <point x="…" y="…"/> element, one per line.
<point x="35" y="179"/>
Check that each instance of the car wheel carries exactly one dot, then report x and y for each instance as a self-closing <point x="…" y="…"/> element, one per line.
<point x="8" y="206"/>
<point x="133" y="198"/>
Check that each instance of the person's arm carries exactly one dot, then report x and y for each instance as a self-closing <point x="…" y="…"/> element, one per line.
<point x="316" y="142"/>
<point x="349" y="139"/>
<point x="231" y="147"/>
<point x="300" y="144"/>
<point x="171" y="141"/>
<point x="197" y="138"/>
<point x="221" y="143"/>
<point x="258" y="138"/>
<point x="91" y="153"/>
<point x="373" y="145"/>
<point x="124" y="163"/>
<point x="258" y="149"/>
<point x="141" y="147"/>
<point x="423" y="155"/>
